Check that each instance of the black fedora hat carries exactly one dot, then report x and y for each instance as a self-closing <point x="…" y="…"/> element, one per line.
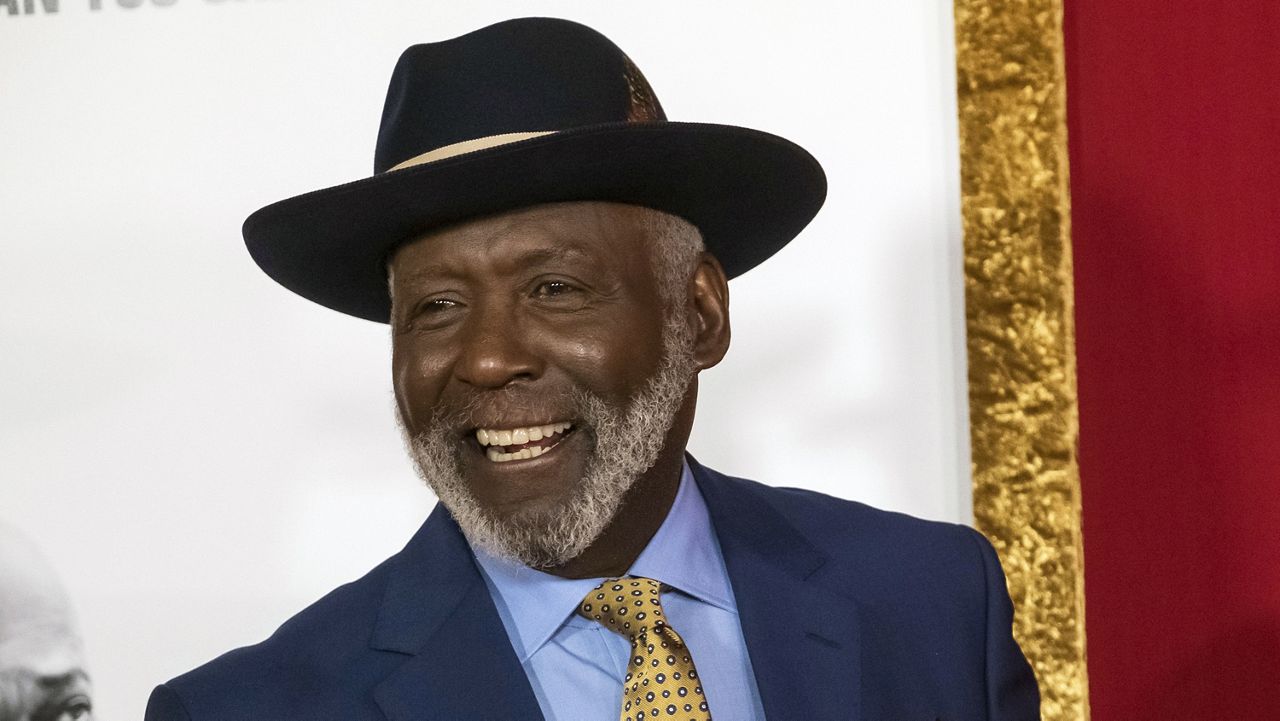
<point x="523" y="112"/>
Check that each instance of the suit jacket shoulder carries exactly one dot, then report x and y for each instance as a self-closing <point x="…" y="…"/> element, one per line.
<point x="883" y="554"/>
<point x="362" y="651"/>
<point x="928" y="599"/>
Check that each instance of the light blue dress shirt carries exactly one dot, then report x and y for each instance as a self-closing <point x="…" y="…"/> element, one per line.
<point x="576" y="666"/>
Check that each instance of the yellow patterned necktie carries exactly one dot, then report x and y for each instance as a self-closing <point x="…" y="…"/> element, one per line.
<point x="661" y="680"/>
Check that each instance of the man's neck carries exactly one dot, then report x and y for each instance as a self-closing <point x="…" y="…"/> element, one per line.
<point x="642" y="512"/>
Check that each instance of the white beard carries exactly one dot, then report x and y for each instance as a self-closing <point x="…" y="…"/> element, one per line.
<point x="627" y="443"/>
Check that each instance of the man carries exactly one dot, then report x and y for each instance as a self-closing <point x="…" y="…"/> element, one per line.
<point x="552" y="257"/>
<point x="42" y="669"/>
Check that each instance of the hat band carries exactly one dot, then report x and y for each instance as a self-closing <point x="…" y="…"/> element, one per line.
<point x="467" y="146"/>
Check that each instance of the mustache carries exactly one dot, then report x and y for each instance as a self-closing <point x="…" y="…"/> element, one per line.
<point x="493" y="408"/>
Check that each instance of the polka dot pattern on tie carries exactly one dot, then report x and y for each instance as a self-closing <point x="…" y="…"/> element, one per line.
<point x="661" y="680"/>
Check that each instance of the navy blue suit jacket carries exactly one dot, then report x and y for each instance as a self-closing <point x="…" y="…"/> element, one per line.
<point x="848" y="613"/>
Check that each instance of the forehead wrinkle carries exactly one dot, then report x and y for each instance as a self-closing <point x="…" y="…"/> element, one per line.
<point x="547" y="254"/>
<point x="535" y="229"/>
<point x="540" y="234"/>
<point x="421" y="272"/>
<point x="554" y="250"/>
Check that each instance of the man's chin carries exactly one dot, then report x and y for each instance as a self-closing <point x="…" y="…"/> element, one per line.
<point x="526" y="514"/>
<point x="536" y="536"/>
<point x="524" y="521"/>
<point x="531" y="537"/>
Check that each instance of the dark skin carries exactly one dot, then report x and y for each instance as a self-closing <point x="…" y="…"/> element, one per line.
<point x="505" y="315"/>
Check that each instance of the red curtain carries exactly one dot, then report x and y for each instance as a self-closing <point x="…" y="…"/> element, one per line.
<point x="1174" y="137"/>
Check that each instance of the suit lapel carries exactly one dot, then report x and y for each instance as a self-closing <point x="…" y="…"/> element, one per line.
<point x="801" y="631"/>
<point x="438" y="611"/>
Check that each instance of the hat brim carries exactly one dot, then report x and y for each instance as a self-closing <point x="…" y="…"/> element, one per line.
<point x="749" y="192"/>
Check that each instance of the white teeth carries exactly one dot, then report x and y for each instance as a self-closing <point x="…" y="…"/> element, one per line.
<point x="519" y="436"/>
<point x="516" y="437"/>
<point x="498" y="456"/>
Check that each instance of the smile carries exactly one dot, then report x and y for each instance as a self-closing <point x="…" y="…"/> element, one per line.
<point x="518" y="444"/>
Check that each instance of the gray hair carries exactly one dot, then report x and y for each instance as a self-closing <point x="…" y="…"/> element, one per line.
<point x="677" y="246"/>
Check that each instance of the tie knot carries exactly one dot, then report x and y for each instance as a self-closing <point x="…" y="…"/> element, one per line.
<point x="628" y="605"/>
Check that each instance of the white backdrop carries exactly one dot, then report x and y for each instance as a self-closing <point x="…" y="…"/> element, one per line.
<point x="201" y="453"/>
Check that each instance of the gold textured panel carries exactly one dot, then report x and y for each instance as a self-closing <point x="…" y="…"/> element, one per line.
<point x="1021" y="340"/>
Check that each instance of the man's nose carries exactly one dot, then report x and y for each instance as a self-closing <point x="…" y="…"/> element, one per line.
<point x="495" y="350"/>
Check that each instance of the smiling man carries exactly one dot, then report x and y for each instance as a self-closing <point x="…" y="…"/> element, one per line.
<point x="552" y="256"/>
<point x="543" y="363"/>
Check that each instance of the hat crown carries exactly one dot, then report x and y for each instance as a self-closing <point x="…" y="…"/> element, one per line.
<point x="517" y="76"/>
<point x="521" y="113"/>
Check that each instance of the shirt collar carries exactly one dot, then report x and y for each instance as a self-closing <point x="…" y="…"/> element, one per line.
<point x="683" y="554"/>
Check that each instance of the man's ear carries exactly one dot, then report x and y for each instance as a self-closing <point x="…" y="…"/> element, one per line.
<point x="709" y="299"/>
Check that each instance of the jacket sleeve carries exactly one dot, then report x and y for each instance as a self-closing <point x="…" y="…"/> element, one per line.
<point x="164" y="705"/>
<point x="1012" y="694"/>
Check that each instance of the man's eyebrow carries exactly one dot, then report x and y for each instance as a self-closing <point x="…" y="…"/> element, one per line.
<point x="549" y="254"/>
<point x="424" y="271"/>
<point x="54" y="681"/>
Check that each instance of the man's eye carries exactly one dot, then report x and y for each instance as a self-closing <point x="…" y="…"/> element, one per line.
<point x="437" y="305"/>
<point x="77" y="712"/>
<point x="553" y="288"/>
<point x="432" y="314"/>
<point x="76" y="708"/>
